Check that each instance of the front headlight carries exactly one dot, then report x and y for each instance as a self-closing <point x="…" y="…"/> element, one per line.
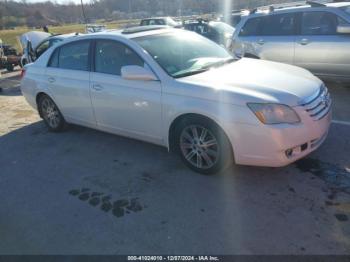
<point x="270" y="114"/>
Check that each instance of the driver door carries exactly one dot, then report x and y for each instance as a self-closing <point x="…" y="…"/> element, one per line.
<point x="126" y="107"/>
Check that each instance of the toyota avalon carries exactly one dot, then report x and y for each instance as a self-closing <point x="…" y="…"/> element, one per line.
<point x="182" y="91"/>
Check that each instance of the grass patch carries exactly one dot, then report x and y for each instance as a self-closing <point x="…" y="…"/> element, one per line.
<point x="11" y="37"/>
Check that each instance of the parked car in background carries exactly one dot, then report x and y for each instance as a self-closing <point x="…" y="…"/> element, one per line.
<point x="35" y="43"/>
<point x="219" y="32"/>
<point x="235" y="18"/>
<point x="9" y="58"/>
<point x="232" y="18"/>
<point x="177" y="89"/>
<point x="314" y="36"/>
<point x="94" y="28"/>
<point x="160" y="21"/>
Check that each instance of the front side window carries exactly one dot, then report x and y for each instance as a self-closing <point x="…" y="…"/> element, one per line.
<point x="346" y="9"/>
<point x="159" y="22"/>
<point x="111" y="56"/>
<point x="184" y="53"/>
<point x="251" y="27"/>
<point x="74" y="56"/>
<point x="320" y="23"/>
<point x="278" y="25"/>
<point x="42" y="48"/>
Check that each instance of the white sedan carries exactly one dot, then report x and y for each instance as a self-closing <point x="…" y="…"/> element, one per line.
<point x="180" y="90"/>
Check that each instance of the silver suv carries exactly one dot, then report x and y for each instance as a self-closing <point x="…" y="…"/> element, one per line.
<point x="314" y="36"/>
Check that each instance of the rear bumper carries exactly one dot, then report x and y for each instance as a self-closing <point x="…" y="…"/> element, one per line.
<point x="264" y="145"/>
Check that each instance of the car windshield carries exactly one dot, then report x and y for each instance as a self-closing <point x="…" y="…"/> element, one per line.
<point x="184" y="53"/>
<point x="346" y="9"/>
<point x="222" y="27"/>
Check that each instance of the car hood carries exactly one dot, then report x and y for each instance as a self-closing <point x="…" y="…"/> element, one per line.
<point x="253" y="80"/>
<point x="35" y="37"/>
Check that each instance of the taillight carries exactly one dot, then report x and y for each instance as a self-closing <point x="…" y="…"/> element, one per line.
<point x="23" y="72"/>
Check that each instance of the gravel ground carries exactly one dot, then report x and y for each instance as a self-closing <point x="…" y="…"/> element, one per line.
<point x="87" y="192"/>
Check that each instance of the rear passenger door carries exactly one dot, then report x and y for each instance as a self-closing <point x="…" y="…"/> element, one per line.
<point x="271" y="37"/>
<point x="68" y="78"/>
<point x="319" y="48"/>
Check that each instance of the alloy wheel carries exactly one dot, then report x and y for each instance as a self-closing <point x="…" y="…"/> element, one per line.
<point x="50" y="113"/>
<point x="199" y="146"/>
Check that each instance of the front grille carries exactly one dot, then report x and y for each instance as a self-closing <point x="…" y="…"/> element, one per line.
<point x="319" y="104"/>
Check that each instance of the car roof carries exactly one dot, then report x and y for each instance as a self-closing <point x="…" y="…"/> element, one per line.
<point x="295" y="6"/>
<point x="64" y="36"/>
<point x="129" y="33"/>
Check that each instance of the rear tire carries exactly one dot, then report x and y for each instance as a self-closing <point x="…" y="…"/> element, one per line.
<point x="10" y="67"/>
<point x="203" y="146"/>
<point x="51" y="114"/>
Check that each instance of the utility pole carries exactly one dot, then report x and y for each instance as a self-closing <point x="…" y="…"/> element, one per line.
<point x="83" y="10"/>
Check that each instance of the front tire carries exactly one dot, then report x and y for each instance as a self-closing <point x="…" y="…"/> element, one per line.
<point x="51" y="114"/>
<point x="203" y="146"/>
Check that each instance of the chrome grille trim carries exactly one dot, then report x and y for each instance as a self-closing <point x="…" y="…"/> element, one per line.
<point x="325" y="113"/>
<point x="318" y="106"/>
<point x="312" y="98"/>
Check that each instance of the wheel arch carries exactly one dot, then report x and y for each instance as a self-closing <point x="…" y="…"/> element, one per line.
<point x="37" y="99"/>
<point x="181" y="117"/>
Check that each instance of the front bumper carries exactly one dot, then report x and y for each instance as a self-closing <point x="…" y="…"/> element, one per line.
<point x="267" y="145"/>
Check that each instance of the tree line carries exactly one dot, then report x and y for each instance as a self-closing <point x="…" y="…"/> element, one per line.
<point x="13" y="13"/>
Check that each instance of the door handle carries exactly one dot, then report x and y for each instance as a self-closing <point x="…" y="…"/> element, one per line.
<point x="261" y="42"/>
<point x="97" y="87"/>
<point x="51" y="79"/>
<point x="304" y="41"/>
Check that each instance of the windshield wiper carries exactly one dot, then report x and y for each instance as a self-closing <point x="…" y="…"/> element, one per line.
<point x="220" y="63"/>
<point x="190" y="73"/>
<point x="205" y="68"/>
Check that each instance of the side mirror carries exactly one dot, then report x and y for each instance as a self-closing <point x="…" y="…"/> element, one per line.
<point x="134" y="72"/>
<point x="343" y="29"/>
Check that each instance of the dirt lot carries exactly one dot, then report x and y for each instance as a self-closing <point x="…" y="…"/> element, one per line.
<point x="87" y="192"/>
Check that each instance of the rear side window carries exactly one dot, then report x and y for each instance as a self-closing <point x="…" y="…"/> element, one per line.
<point x="111" y="56"/>
<point x="251" y="27"/>
<point x="144" y="22"/>
<point x="74" y="56"/>
<point x="155" y="22"/>
<point x="320" y="23"/>
<point x="54" y="58"/>
<point x="160" y="22"/>
<point x="278" y="25"/>
<point x="198" y="28"/>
